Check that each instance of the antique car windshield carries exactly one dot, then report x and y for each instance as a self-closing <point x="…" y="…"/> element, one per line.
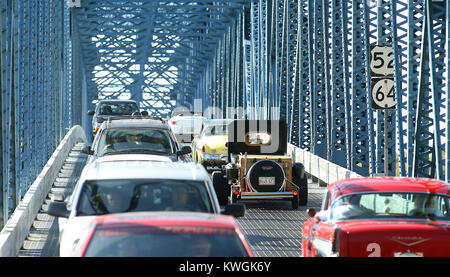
<point x="216" y="130"/>
<point x="258" y="138"/>
<point x="116" y="196"/>
<point x="165" y="241"/>
<point x="118" y="108"/>
<point x="391" y="205"/>
<point x="135" y="140"/>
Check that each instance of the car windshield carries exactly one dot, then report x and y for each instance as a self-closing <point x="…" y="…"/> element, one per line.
<point x="216" y="130"/>
<point x="123" y="108"/>
<point x="391" y="205"/>
<point x="165" y="241"/>
<point x="116" y="196"/>
<point x="135" y="140"/>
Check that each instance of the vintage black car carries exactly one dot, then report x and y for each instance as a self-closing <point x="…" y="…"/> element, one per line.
<point x="258" y="166"/>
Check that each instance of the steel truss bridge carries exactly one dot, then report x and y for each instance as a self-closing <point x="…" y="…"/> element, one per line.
<point x="304" y="61"/>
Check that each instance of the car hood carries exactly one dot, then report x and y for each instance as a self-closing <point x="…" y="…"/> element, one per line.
<point x="388" y="237"/>
<point x="216" y="143"/>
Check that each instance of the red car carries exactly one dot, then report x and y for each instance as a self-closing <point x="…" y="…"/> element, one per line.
<point x="163" y="234"/>
<point x="380" y="217"/>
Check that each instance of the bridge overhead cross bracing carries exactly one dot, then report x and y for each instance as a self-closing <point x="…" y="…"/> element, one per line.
<point x="150" y="51"/>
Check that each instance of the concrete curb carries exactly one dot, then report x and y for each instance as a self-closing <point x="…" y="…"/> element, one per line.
<point x="17" y="228"/>
<point x="322" y="169"/>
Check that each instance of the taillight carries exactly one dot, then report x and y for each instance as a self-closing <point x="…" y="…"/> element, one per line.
<point x="236" y="192"/>
<point x="172" y="122"/>
<point x="203" y="149"/>
<point x="295" y="192"/>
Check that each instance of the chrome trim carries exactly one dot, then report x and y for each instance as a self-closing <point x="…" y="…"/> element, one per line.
<point x="214" y="157"/>
<point x="266" y="195"/>
<point x="323" y="247"/>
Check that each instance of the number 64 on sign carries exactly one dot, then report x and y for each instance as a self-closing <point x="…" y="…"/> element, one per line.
<point x="383" y="93"/>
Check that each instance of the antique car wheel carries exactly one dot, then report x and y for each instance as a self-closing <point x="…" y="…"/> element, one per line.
<point x="299" y="178"/>
<point x="221" y="187"/>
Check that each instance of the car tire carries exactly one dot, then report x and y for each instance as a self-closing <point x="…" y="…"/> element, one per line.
<point x="299" y="179"/>
<point x="221" y="187"/>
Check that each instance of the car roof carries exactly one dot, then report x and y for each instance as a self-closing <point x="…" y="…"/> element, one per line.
<point x="372" y="184"/>
<point x="140" y="166"/>
<point x="165" y="218"/>
<point x="116" y="100"/>
<point x="225" y="121"/>
<point x="136" y="123"/>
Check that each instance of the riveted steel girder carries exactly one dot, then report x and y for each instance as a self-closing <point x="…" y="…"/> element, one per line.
<point x="34" y="108"/>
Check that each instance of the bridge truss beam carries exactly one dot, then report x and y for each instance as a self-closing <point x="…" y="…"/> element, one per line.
<point x="35" y="92"/>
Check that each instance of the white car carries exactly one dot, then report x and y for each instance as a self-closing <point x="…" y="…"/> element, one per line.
<point x="129" y="183"/>
<point x="185" y="127"/>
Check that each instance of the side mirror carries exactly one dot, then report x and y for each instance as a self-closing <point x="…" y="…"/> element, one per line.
<point x="58" y="209"/>
<point x="91" y="112"/>
<point x="184" y="150"/>
<point x="87" y="150"/>
<point x="311" y="212"/>
<point x="235" y="209"/>
<point x="144" y="113"/>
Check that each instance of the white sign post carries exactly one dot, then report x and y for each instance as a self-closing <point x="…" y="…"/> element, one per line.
<point x="382" y="87"/>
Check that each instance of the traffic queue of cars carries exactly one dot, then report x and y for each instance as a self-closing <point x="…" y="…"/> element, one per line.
<point x="136" y="166"/>
<point x="139" y="196"/>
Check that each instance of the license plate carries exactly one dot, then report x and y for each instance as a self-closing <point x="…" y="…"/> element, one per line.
<point x="266" y="181"/>
<point x="408" y="254"/>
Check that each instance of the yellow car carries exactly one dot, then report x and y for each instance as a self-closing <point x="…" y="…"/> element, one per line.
<point x="209" y="147"/>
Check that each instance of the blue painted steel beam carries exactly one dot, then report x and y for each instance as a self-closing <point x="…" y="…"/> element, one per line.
<point x="32" y="89"/>
<point x="447" y="92"/>
<point x="339" y="101"/>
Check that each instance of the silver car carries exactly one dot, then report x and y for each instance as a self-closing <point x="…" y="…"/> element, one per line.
<point x="136" y="136"/>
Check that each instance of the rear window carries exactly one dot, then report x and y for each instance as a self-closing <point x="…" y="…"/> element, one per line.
<point x="136" y="140"/>
<point x="165" y="241"/>
<point x="118" y="108"/>
<point x="216" y="130"/>
<point x="117" y="196"/>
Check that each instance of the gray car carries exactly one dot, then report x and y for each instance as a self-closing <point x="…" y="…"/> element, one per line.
<point x="113" y="108"/>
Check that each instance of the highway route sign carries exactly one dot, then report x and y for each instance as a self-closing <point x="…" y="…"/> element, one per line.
<point x="381" y="61"/>
<point x="383" y="93"/>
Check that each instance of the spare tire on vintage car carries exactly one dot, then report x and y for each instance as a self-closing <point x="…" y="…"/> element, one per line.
<point x="265" y="176"/>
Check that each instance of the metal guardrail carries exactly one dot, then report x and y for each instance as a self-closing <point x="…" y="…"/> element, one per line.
<point x="17" y="228"/>
<point x="327" y="172"/>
